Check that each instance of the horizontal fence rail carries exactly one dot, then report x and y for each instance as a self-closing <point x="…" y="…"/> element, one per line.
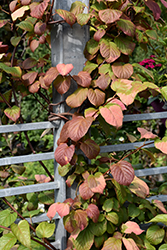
<point x="29" y="189"/>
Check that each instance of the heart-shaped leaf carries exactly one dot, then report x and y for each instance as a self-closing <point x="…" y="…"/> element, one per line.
<point x="83" y="79"/>
<point x="93" y="212"/>
<point x="7" y="241"/>
<point x="77" y="98"/>
<point x="103" y="81"/>
<point x="39" y="10"/>
<point x="67" y="16"/>
<point x="109" y="51"/>
<point x="64" y="69"/>
<point x="45" y="229"/>
<point x="64" y="153"/>
<point x="7" y="218"/>
<point x="109" y="15"/>
<point x="96" y="97"/>
<point x="90" y="148"/>
<point x="130" y="244"/>
<point x="139" y="187"/>
<point x="62" y="84"/>
<point x="126" y="26"/>
<point x="112" y="243"/>
<point x="122" y="71"/>
<point x="161" y="144"/>
<point x="112" y="114"/>
<point x="50" y="75"/>
<point x="12" y="113"/>
<point x="122" y="172"/>
<point x="22" y="232"/>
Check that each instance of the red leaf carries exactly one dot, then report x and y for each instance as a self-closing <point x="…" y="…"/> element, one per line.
<point x="160" y="205"/>
<point x="83" y="78"/>
<point x="29" y="63"/>
<point x="122" y="172"/>
<point x="40" y="28"/>
<point x="12" y="113"/>
<point x="126" y="26"/>
<point x="70" y="180"/>
<point x="3" y="48"/>
<point x="109" y="15"/>
<point x="91" y="112"/>
<point x="64" y="69"/>
<point x="122" y="71"/>
<point x="41" y="178"/>
<point x="131" y="227"/>
<point x="61" y="208"/>
<point x="50" y="75"/>
<point x="34" y="45"/>
<point x="154" y="7"/>
<point x="130" y="244"/>
<point x="62" y="84"/>
<point x="75" y="128"/>
<point x="77" y="98"/>
<point x="103" y="81"/>
<point x="34" y="87"/>
<point x="96" y="96"/>
<point x="25" y="2"/>
<point x="146" y="134"/>
<point x="85" y="191"/>
<point x="29" y="78"/>
<point x="90" y="148"/>
<point x="78" y="127"/>
<point x="139" y="188"/>
<point x="112" y="113"/>
<point x="81" y="219"/>
<point x="99" y="34"/>
<point x="93" y="212"/>
<point x="64" y="153"/>
<point x="161" y="144"/>
<point x="39" y="10"/>
<point x="67" y="16"/>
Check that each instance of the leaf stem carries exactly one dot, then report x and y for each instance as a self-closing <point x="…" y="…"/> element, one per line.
<point x="5" y="100"/>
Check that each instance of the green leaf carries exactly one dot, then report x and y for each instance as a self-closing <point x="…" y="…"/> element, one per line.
<point x="83" y="18"/>
<point x="45" y="229"/>
<point x="112" y="217"/>
<point x="164" y="92"/>
<point x="14" y="71"/>
<point x="125" y="45"/>
<point x="160" y="218"/>
<point x="163" y="247"/>
<point x="133" y="211"/>
<point x="7" y="241"/>
<point x="155" y="234"/>
<point x="63" y="170"/>
<point x="126" y="26"/>
<point x="92" y="46"/>
<point x="22" y="232"/>
<point x="112" y="243"/>
<point x="31" y="213"/>
<point x="34" y="246"/>
<point x="144" y="69"/>
<point x="18" y="169"/>
<point x="13" y="113"/>
<point x="27" y="26"/>
<point x="84" y="240"/>
<point x="7" y="218"/>
<point x="108" y="205"/>
<point x="152" y="34"/>
<point x="98" y="228"/>
<point x="15" y="40"/>
<point x="161" y="144"/>
<point x="47" y="197"/>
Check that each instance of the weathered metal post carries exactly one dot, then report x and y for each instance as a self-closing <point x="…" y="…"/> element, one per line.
<point x="67" y="45"/>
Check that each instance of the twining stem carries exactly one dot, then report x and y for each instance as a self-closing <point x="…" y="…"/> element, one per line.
<point x="45" y="240"/>
<point x="6" y="228"/>
<point x="2" y="96"/>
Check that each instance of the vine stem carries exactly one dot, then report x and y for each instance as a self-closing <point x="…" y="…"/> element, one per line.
<point x="45" y="240"/>
<point x="2" y="96"/>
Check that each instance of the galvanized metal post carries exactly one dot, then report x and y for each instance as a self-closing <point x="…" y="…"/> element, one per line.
<point x="67" y="45"/>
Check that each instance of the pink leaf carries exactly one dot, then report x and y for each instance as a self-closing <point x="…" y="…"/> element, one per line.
<point x="160" y="205"/>
<point x="112" y="113"/>
<point x="161" y="144"/>
<point x="64" y="69"/>
<point x="146" y="134"/>
<point x="85" y="191"/>
<point x="83" y="79"/>
<point x="118" y="102"/>
<point x="29" y="78"/>
<point x="93" y="212"/>
<point x="41" y="178"/>
<point x="90" y="148"/>
<point x="130" y="244"/>
<point x="64" y="153"/>
<point x="122" y="172"/>
<point x="61" y="208"/>
<point x="50" y="75"/>
<point x="131" y="227"/>
<point x="154" y="7"/>
<point x="39" y="10"/>
<point x="97" y="184"/>
<point x="34" y="45"/>
<point x="12" y="113"/>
